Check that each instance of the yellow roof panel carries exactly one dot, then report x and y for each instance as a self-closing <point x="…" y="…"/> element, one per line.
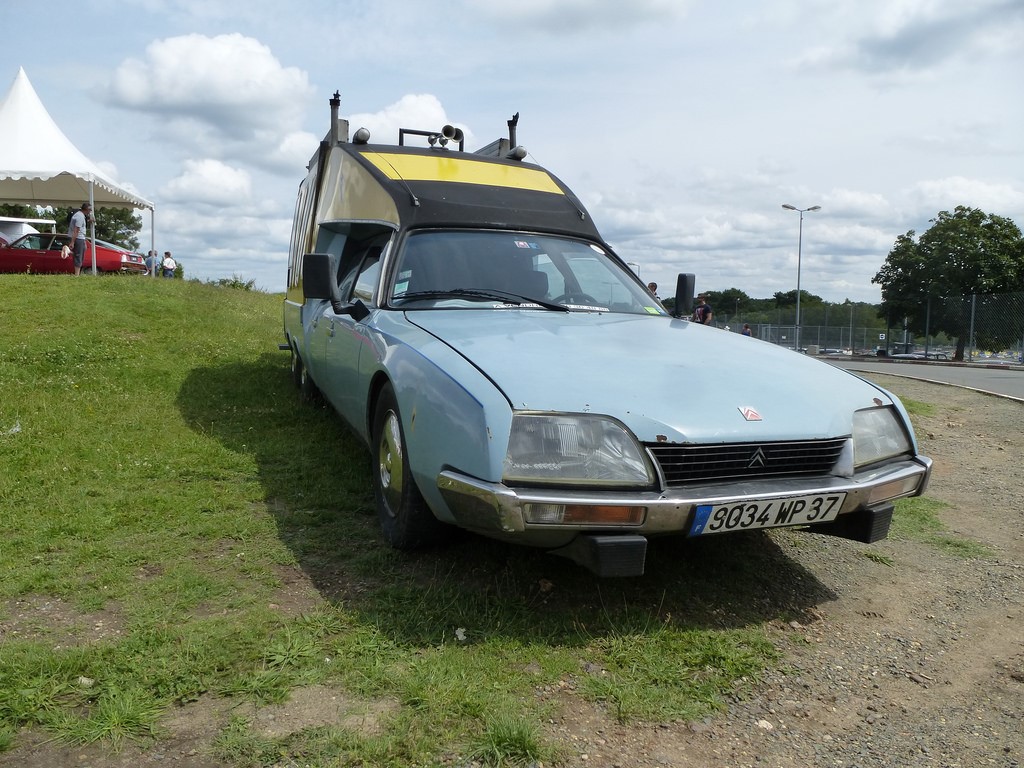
<point x="460" y="170"/>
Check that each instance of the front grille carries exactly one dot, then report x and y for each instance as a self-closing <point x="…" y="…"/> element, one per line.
<point x="685" y="464"/>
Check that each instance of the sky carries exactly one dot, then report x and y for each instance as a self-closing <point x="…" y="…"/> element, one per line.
<point x="683" y="125"/>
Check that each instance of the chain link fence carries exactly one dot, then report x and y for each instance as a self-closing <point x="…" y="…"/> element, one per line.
<point x="976" y="327"/>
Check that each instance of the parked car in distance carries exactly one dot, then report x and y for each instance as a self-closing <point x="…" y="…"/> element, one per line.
<point x="920" y="356"/>
<point x="43" y="253"/>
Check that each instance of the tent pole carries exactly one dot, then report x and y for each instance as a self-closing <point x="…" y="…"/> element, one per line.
<point x="92" y="222"/>
<point x="152" y="240"/>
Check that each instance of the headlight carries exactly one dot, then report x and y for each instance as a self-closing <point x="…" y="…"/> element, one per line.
<point x="574" y="448"/>
<point x="878" y="434"/>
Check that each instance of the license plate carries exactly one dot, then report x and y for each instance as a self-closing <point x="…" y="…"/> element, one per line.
<point x="766" y="513"/>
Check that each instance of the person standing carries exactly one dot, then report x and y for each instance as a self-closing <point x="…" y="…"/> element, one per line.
<point x="746" y="330"/>
<point x="169" y="264"/>
<point x="151" y="261"/>
<point x="703" y="313"/>
<point x="76" y="230"/>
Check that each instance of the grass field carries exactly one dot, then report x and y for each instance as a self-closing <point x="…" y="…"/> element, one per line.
<point x="176" y="526"/>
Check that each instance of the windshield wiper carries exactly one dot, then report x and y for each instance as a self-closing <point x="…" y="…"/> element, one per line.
<point x="479" y="294"/>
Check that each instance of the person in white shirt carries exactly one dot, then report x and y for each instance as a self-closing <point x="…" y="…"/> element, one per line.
<point x="168" y="264"/>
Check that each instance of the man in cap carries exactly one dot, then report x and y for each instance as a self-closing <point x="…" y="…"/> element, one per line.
<point x="76" y="229"/>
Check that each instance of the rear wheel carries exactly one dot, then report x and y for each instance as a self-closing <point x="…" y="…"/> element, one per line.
<point x="405" y="519"/>
<point x="308" y="390"/>
<point x="296" y="368"/>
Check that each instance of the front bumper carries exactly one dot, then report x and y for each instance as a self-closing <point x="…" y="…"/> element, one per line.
<point x="497" y="510"/>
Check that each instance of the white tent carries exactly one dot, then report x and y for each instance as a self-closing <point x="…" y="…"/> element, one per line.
<point x="39" y="164"/>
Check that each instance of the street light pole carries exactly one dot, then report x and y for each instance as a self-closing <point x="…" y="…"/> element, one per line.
<point x="799" y="254"/>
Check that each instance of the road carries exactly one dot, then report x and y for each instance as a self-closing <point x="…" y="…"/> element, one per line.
<point x="1003" y="380"/>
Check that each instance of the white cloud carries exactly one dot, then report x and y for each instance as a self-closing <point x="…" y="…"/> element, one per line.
<point x="211" y="182"/>
<point x="578" y="16"/>
<point x="228" y="78"/>
<point x="947" y="193"/>
<point x="907" y="36"/>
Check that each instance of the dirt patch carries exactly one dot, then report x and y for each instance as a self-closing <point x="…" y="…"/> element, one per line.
<point x="188" y="732"/>
<point x="318" y="705"/>
<point x="52" y="620"/>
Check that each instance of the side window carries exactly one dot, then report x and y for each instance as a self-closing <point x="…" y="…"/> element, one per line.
<point x="359" y="248"/>
<point x="369" y="272"/>
<point x="347" y="271"/>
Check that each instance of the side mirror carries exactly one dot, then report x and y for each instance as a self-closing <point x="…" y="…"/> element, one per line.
<point x="685" y="285"/>
<point x="319" y="281"/>
<point x="318" y="277"/>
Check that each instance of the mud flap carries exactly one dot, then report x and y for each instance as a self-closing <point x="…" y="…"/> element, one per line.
<point x="864" y="525"/>
<point x="607" y="556"/>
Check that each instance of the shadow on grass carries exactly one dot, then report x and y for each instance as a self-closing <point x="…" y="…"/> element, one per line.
<point x="317" y="483"/>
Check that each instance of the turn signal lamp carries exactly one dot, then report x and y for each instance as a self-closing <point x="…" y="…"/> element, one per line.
<point x="893" y="490"/>
<point x="584" y="514"/>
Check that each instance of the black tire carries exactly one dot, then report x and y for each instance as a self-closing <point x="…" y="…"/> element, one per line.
<point x="405" y="520"/>
<point x="296" y="368"/>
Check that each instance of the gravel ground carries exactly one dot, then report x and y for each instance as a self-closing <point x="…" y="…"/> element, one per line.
<point x="917" y="661"/>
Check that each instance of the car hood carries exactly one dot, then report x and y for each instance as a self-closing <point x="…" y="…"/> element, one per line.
<point x="669" y="380"/>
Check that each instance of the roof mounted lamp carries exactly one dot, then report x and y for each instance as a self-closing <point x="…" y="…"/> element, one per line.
<point x="448" y="133"/>
<point x="451" y="133"/>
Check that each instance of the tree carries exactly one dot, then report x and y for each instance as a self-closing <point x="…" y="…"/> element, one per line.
<point x="20" y="211"/>
<point x="930" y="280"/>
<point x="729" y="303"/>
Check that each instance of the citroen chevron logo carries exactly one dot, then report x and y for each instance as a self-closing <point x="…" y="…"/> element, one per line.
<point x="749" y="413"/>
<point x="757" y="459"/>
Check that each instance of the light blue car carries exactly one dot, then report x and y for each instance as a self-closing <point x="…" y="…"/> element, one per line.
<point x="513" y="377"/>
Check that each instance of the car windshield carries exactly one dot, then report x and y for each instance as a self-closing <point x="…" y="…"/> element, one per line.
<point x="474" y="268"/>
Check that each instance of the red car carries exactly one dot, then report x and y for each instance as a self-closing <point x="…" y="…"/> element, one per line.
<point x="43" y="252"/>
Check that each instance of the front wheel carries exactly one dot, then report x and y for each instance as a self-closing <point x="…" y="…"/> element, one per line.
<point x="405" y="519"/>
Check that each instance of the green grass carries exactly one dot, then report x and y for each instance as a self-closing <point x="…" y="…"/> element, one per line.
<point x="175" y="525"/>
<point x="918" y="518"/>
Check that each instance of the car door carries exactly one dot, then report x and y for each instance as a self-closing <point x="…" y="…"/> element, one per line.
<point x="347" y="338"/>
<point x="43" y="254"/>
<point x="18" y="255"/>
<point x="53" y="255"/>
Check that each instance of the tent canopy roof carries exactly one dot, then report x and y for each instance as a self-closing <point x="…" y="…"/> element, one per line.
<point x="40" y="165"/>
